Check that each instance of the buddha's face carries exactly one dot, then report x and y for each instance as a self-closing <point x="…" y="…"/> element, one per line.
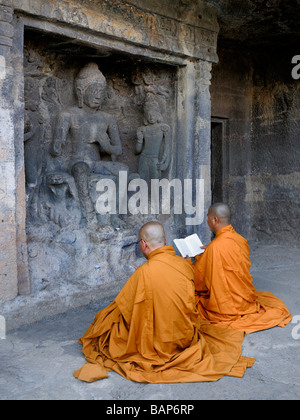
<point x="94" y="95"/>
<point x="152" y="116"/>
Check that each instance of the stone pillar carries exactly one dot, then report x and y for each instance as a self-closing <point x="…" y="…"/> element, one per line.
<point x="194" y="115"/>
<point x="18" y="101"/>
<point x="8" y="251"/>
<point x="202" y="144"/>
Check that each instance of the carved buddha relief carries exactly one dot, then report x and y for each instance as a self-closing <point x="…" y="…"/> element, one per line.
<point x="82" y="132"/>
<point x="94" y="126"/>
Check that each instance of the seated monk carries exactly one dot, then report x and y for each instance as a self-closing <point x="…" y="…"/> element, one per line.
<point x="225" y="295"/>
<point x="152" y="332"/>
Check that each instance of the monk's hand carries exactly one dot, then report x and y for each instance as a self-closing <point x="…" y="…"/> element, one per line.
<point x="200" y="255"/>
<point x="187" y="258"/>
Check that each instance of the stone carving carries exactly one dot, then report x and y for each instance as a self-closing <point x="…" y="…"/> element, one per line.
<point x="146" y="84"/>
<point x="83" y="134"/>
<point x="81" y="116"/>
<point x="153" y="142"/>
<point x="62" y="191"/>
<point x="90" y="128"/>
<point x="33" y="136"/>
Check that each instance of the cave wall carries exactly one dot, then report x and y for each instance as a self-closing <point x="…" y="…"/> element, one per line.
<point x="57" y="250"/>
<point x="168" y="50"/>
<point x="231" y="93"/>
<point x="275" y="148"/>
<point x="254" y="91"/>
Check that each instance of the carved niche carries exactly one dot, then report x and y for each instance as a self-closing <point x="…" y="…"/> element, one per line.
<point x="88" y="117"/>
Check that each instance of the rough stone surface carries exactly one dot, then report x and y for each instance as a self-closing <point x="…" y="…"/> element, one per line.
<point x="38" y="360"/>
<point x="8" y="228"/>
<point x="257" y="100"/>
<point x="52" y="254"/>
<point x="258" y="22"/>
<point x="255" y="106"/>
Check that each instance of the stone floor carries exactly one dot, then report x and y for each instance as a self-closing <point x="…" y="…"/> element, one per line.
<point x="37" y="361"/>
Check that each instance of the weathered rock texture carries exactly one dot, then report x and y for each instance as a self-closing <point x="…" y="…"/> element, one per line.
<point x="275" y="148"/>
<point x="57" y="251"/>
<point x="256" y="100"/>
<point x="231" y="117"/>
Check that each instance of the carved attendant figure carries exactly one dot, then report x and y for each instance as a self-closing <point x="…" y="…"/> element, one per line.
<point x="153" y="142"/>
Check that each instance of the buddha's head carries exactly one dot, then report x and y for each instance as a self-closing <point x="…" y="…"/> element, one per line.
<point x="90" y="86"/>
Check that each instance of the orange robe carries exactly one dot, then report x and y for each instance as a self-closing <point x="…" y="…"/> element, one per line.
<point x="152" y="331"/>
<point x="225" y="295"/>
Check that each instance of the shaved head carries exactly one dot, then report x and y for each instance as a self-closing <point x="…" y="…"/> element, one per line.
<point x="153" y="233"/>
<point x="222" y="211"/>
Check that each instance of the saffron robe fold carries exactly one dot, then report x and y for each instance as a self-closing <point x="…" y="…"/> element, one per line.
<point x="225" y="294"/>
<point x="152" y="332"/>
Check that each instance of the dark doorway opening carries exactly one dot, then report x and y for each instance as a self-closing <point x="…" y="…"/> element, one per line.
<point x="218" y="159"/>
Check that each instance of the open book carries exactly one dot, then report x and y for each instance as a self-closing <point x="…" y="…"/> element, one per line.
<point x="189" y="246"/>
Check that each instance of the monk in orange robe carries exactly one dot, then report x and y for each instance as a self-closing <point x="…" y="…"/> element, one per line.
<point x="152" y="333"/>
<point x="225" y="294"/>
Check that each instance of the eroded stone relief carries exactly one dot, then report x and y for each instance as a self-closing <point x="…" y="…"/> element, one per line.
<point x="153" y="142"/>
<point x="84" y="122"/>
<point x="82" y="132"/>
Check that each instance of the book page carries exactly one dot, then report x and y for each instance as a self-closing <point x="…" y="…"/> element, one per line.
<point x="182" y="247"/>
<point x="194" y="244"/>
<point x="189" y="246"/>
